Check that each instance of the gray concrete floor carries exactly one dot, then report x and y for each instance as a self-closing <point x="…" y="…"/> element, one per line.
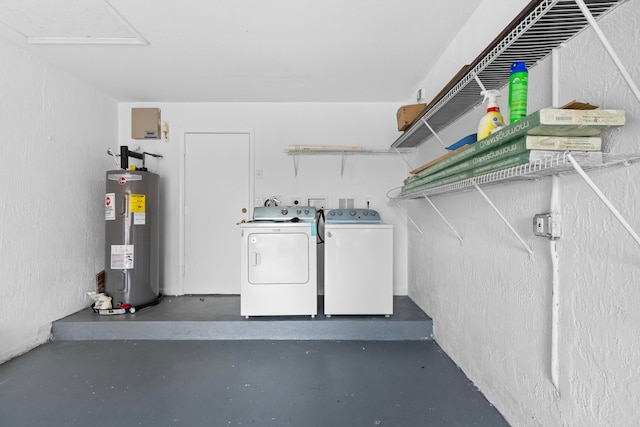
<point x="233" y="383"/>
<point x="188" y="362"/>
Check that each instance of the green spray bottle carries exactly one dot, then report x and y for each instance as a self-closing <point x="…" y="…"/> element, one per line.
<point x="518" y="83"/>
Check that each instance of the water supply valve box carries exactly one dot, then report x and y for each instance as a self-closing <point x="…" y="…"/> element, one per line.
<point x="145" y="123"/>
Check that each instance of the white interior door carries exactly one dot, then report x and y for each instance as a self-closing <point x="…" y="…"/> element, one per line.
<point x="217" y="196"/>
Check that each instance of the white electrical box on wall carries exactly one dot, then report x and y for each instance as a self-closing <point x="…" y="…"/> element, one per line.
<point x="145" y="123"/>
<point x="548" y="225"/>
<point x="317" y="202"/>
<point x="347" y="203"/>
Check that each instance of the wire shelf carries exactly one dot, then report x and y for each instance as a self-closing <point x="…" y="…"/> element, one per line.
<point x="557" y="164"/>
<point x="345" y="152"/>
<point x="531" y="37"/>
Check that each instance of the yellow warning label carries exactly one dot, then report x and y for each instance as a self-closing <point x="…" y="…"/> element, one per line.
<point x="137" y="202"/>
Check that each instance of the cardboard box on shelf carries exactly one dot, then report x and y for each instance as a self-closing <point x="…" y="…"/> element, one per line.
<point x="407" y="114"/>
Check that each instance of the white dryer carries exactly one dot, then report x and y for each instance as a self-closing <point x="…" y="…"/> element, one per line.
<point x="278" y="262"/>
<point x="358" y="263"/>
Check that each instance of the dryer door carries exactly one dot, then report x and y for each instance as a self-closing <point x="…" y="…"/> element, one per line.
<point x="278" y="258"/>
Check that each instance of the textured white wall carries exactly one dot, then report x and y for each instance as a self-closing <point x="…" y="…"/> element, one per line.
<point x="54" y="131"/>
<point x="491" y="301"/>
<point x="276" y="127"/>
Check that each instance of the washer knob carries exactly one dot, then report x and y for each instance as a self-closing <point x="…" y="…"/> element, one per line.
<point x="306" y="211"/>
<point x="332" y="213"/>
<point x="352" y="213"/>
<point x="284" y="211"/>
<point x="339" y="213"/>
<point x="365" y="213"/>
<point x="298" y="211"/>
<point x="373" y="213"/>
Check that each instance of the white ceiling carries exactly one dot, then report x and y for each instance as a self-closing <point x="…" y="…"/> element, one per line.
<point x="240" y="50"/>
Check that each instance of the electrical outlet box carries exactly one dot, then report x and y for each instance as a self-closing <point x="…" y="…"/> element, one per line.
<point x="317" y="202"/>
<point x="547" y="225"/>
<point x="347" y="203"/>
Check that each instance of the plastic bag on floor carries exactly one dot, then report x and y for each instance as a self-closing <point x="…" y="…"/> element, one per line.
<point x="100" y="301"/>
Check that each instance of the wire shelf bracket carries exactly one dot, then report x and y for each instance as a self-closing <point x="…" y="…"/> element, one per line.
<point x="295" y="166"/>
<point x="477" y="187"/>
<point x="406" y="162"/>
<point x="404" y="211"/>
<point x="444" y="219"/>
<point x="604" y="199"/>
<point x="433" y="132"/>
<point x="482" y="88"/>
<point x="605" y="42"/>
<point x="634" y="88"/>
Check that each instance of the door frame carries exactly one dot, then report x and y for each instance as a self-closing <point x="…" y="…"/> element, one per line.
<point x="182" y="182"/>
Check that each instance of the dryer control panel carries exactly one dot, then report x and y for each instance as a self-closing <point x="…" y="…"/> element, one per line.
<point x="352" y="216"/>
<point x="284" y="213"/>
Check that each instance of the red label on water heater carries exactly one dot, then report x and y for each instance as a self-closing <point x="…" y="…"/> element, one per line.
<point x="110" y="206"/>
<point x="122" y="180"/>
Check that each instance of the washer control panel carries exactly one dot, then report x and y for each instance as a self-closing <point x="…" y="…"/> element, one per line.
<point x="352" y="216"/>
<point x="284" y="213"/>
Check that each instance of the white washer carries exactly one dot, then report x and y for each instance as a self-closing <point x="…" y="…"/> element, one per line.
<point x="278" y="263"/>
<point x="358" y="263"/>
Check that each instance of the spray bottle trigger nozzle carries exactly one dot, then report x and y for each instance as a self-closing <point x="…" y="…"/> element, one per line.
<point x="491" y="94"/>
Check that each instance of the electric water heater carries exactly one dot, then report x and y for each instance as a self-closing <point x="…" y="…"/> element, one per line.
<point x="132" y="237"/>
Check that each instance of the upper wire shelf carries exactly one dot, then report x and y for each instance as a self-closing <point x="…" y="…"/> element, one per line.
<point x="543" y="26"/>
<point x="344" y="152"/>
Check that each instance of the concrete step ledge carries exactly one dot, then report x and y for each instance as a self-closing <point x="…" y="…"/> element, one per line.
<point x="217" y="318"/>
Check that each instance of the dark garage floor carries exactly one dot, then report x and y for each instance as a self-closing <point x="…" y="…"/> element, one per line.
<point x="189" y="378"/>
